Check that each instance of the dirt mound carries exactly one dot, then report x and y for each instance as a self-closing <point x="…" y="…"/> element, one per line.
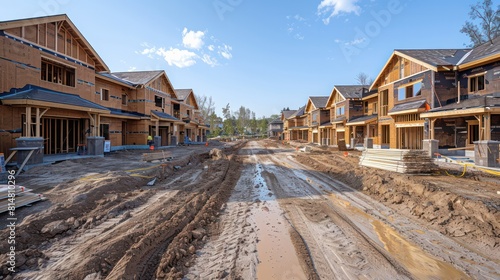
<point x="433" y="200"/>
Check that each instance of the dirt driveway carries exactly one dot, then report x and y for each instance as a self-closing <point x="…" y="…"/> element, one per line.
<point x="254" y="210"/>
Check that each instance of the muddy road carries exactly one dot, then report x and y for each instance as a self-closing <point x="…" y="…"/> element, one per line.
<point x="254" y="210"/>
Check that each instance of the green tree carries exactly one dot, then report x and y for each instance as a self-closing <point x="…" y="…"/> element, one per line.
<point x="484" y="24"/>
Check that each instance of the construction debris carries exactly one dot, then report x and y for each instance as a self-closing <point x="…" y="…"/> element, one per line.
<point x="402" y="161"/>
<point x="163" y="155"/>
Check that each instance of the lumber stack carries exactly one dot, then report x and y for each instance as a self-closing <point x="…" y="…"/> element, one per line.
<point x="396" y="160"/>
<point x="23" y="197"/>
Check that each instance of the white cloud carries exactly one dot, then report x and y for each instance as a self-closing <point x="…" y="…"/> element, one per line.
<point x="177" y="57"/>
<point x="211" y="48"/>
<point x="225" y="51"/>
<point x="298" y="36"/>
<point x="192" y="39"/>
<point x="299" y="18"/>
<point x="212" y="61"/>
<point x="333" y="8"/>
<point x="132" y="68"/>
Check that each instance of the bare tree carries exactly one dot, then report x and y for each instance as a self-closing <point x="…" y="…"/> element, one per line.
<point x="206" y="105"/>
<point x="363" y="79"/>
<point x="485" y="24"/>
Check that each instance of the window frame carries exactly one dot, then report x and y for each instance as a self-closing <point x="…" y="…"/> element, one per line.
<point x="474" y="82"/>
<point x="104" y="94"/>
<point x="56" y="72"/>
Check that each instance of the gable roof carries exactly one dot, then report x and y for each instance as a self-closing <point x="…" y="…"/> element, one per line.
<point x="31" y="94"/>
<point x="432" y="59"/>
<point x="351" y="91"/>
<point x="276" y="121"/>
<point x="319" y="101"/>
<point x="68" y="24"/>
<point x="182" y="94"/>
<point x="287" y="114"/>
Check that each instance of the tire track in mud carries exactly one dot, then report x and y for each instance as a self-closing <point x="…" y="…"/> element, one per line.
<point x="335" y="244"/>
<point x="439" y="253"/>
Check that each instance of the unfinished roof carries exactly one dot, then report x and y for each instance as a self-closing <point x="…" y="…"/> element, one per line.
<point x="35" y="95"/>
<point x="138" y="77"/>
<point x="488" y="49"/>
<point x="182" y="94"/>
<point x="436" y="57"/>
<point x="352" y="91"/>
<point x="63" y="20"/>
<point x="112" y="77"/>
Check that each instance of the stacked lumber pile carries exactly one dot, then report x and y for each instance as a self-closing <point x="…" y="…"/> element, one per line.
<point x="23" y="197"/>
<point x="402" y="161"/>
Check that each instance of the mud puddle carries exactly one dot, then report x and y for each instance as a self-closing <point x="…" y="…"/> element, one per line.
<point x="276" y="252"/>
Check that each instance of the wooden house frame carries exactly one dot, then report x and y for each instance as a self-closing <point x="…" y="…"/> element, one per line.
<point x="345" y="103"/>
<point x="285" y="118"/>
<point x="473" y="113"/>
<point x="52" y="74"/>
<point x="318" y="120"/>
<point x="406" y="88"/>
<point x="189" y="112"/>
<point x="298" y="128"/>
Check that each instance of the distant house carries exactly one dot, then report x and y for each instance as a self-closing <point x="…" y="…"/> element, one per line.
<point x="285" y="115"/>
<point x="345" y="104"/>
<point x="297" y="125"/>
<point x="275" y="128"/>
<point x="318" y="117"/>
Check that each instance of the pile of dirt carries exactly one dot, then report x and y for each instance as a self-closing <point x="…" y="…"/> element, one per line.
<point x="113" y="224"/>
<point x="441" y="202"/>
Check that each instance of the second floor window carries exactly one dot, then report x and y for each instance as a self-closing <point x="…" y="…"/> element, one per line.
<point x="476" y="83"/>
<point x="410" y="91"/>
<point x="340" y="111"/>
<point x="158" y="101"/>
<point x="57" y="73"/>
<point x="104" y="94"/>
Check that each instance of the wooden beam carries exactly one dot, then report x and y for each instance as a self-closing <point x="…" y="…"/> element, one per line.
<point x="28" y="121"/>
<point x="38" y="124"/>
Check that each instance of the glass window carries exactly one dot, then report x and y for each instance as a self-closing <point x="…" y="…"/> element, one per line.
<point x="401" y="93"/>
<point x="480" y="82"/>
<point x="417" y="89"/>
<point x="104" y="94"/>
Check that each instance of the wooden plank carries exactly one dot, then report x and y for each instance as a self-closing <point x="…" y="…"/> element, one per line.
<point x="24" y="200"/>
<point x="157" y="156"/>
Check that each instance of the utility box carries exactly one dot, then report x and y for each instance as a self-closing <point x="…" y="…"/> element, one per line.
<point x="29" y="142"/>
<point x="95" y="146"/>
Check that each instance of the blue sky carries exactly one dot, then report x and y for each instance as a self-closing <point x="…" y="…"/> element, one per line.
<point x="264" y="55"/>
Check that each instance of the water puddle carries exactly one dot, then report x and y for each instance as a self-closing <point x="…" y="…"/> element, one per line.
<point x="420" y="264"/>
<point x="277" y="256"/>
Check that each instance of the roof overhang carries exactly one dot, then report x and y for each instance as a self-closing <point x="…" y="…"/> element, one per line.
<point x="459" y="112"/>
<point x="37" y="103"/>
<point x="479" y="62"/>
<point x="404" y="112"/>
<point x="364" y="122"/>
